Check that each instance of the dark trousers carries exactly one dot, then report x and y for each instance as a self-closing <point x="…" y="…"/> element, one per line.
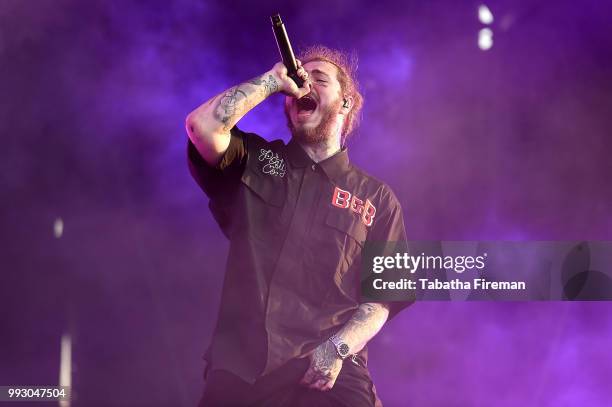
<point x="353" y="388"/>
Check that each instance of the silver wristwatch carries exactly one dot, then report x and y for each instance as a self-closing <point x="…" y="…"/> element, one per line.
<point x="342" y="349"/>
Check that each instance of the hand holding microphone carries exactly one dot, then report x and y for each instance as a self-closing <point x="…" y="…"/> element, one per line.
<point x="292" y="77"/>
<point x="287" y="84"/>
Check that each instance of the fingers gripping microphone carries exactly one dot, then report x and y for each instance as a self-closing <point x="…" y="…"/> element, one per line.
<point x="284" y="46"/>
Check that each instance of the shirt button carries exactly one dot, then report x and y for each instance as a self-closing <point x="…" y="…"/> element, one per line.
<point x="313" y="167"/>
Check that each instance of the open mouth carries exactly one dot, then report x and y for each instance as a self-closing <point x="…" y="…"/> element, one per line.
<point x="306" y="105"/>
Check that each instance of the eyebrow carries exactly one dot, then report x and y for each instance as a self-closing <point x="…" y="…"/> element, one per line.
<point x="319" y="72"/>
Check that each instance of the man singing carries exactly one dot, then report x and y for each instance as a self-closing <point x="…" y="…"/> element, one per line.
<point x="291" y="329"/>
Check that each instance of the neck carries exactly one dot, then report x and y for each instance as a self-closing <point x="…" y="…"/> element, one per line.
<point x="322" y="150"/>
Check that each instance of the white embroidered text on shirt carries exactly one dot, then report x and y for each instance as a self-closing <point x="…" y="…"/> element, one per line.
<point x="275" y="164"/>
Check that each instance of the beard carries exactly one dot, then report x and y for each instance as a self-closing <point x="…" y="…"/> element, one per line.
<point x="324" y="130"/>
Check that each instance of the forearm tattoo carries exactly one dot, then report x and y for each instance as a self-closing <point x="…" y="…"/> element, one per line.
<point x="236" y="99"/>
<point x="226" y="106"/>
<point x="270" y="84"/>
<point x="364" y="313"/>
<point x="325" y="364"/>
<point x="365" y="323"/>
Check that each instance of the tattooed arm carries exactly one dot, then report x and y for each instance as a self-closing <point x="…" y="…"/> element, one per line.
<point x="209" y="125"/>
<point x="365" y="323"/>
<point x="325" y="364"/>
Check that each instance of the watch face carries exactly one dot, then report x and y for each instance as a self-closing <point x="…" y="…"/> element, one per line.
<point x="343" y="349"/>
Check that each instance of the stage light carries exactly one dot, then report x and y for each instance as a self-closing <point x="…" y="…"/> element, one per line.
<point x="58" y="228"/>
<point x="65" y="373"/>
<point x="484" y="14"/>
<point x="485" y="39"/>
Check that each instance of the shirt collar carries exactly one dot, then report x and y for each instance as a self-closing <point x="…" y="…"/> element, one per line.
<point x="333" y="166"/>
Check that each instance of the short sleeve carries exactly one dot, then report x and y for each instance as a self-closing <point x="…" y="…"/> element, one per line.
<point x="390" y="228"/>
<point x="218" y="179"/>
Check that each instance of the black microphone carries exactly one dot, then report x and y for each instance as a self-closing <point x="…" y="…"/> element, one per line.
<point x="284" y="47"/>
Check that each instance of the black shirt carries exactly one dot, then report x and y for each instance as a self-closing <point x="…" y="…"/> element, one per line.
<point x="296" y="230"/>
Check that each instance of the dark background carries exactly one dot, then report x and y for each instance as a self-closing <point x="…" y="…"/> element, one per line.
<point x="512" y="143"/>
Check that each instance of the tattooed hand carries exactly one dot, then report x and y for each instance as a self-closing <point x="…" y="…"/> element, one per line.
<point x="287" y="85"/>
<point x="325" y="365"/>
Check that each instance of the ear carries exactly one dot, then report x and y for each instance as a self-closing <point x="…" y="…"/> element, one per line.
<point x="347" y="104"/>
